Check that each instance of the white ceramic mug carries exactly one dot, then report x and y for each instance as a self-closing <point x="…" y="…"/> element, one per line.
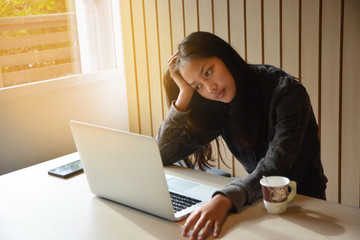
<point x="275" y="193"/>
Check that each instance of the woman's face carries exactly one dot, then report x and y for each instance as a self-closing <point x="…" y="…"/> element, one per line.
<point x="210" y="78"/>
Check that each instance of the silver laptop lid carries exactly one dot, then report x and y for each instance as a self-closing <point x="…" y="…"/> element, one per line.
<point x="123" y="167"/>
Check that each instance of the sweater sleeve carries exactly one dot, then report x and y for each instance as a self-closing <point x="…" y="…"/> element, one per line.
<point x="290" y="112"/>
<point x="173" y="144"/>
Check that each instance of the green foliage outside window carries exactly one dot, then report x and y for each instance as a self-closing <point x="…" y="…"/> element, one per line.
<point x="17" y="8"/>
<point x="23" y="8"/>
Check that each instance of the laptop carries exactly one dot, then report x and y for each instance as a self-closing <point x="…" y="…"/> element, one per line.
<point x="126" y="168"/>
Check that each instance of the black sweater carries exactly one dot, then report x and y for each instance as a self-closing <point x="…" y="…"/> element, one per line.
<point x="291" y="149"/>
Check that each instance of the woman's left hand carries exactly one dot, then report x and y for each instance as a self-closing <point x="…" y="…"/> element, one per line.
<point x="209" y="216"/>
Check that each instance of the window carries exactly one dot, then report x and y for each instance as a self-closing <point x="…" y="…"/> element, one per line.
<point x="48" y="39"/>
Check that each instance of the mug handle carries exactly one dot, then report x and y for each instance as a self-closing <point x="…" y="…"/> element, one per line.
<point x="292" y="185"/>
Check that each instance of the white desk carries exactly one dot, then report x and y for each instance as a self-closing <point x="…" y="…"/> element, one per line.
<point x="34" y="205"/>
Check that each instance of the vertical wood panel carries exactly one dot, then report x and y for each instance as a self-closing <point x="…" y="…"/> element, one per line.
<point x="350" y="150"/>
<point x="310" y="50"/>
<point x="272" y="32"/>
<point x="221" y="19"/>
<point x="131" y="81"/>
<point x="177" y="22"/>
<point x="331" y="12"/>
<point x="141" y="67"/>
<point x="153" y="65"/>
<point x="290" y="36"/>
<point x="191" y="17"/>
<point x="239" y="170"/>
<point x="165" y="42"/>
<point x="253" y="31"/>
<point x="205" y="16"/>
<point x="237" y="26"/>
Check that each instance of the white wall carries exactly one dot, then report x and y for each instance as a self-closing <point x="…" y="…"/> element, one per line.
<point x="35" y="128"/>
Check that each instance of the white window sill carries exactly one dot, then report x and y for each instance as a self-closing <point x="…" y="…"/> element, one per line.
<point x="58" y="84"/>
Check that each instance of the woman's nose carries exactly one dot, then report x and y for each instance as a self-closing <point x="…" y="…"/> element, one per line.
<point x="211" y="87"/>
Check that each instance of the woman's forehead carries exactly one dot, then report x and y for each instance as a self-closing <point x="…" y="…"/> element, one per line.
<point x="192" y="68"/>
<point x="197" y="64"/>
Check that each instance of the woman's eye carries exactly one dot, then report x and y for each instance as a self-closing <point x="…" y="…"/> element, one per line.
<point x="207" y="73"/>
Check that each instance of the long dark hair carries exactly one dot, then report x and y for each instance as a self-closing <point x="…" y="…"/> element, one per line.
<point x="207" y="116"/>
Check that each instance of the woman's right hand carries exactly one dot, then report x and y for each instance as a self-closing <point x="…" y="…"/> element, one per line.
<point x="186" y="91"/>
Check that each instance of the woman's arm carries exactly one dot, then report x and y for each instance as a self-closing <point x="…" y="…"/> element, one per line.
<point x="173" y="147"/>
<point x="173" y="143"/>
<point x="186" y="91"/>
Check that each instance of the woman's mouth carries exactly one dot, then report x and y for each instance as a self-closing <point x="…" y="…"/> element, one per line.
<point x="220" y="95"/>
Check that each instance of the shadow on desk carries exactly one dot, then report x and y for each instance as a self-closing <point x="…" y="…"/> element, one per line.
<point x="315" y="221"/>
<point x="297" y="223"/>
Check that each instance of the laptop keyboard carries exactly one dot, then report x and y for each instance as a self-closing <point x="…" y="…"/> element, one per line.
<point x="180" y="202"/>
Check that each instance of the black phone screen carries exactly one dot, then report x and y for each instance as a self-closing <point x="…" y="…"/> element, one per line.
<point x="67" y="170"/>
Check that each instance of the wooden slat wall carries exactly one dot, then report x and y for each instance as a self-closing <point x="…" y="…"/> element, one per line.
<point x="330" y="93"/>
<point x="314" y="40"/>
<point x="349" y="171"/>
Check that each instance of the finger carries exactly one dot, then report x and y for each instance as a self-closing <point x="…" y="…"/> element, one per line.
<point x="172" y="60"/>
<point x="206" y="230"/>
<point x="172" y="66"/>
<point x="175" y="75"/>
<point x="173" y="57"/>
<point x="198" y="227"/>
<point x="217" y="226"/>
<point x="175" y="54"/>
<point x="190" y="222"/>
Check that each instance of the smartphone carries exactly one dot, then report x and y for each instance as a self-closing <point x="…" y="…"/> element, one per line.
<point x="67" y="170"/>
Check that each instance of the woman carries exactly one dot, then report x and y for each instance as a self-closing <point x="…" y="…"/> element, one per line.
<point x="263" y="114"/>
